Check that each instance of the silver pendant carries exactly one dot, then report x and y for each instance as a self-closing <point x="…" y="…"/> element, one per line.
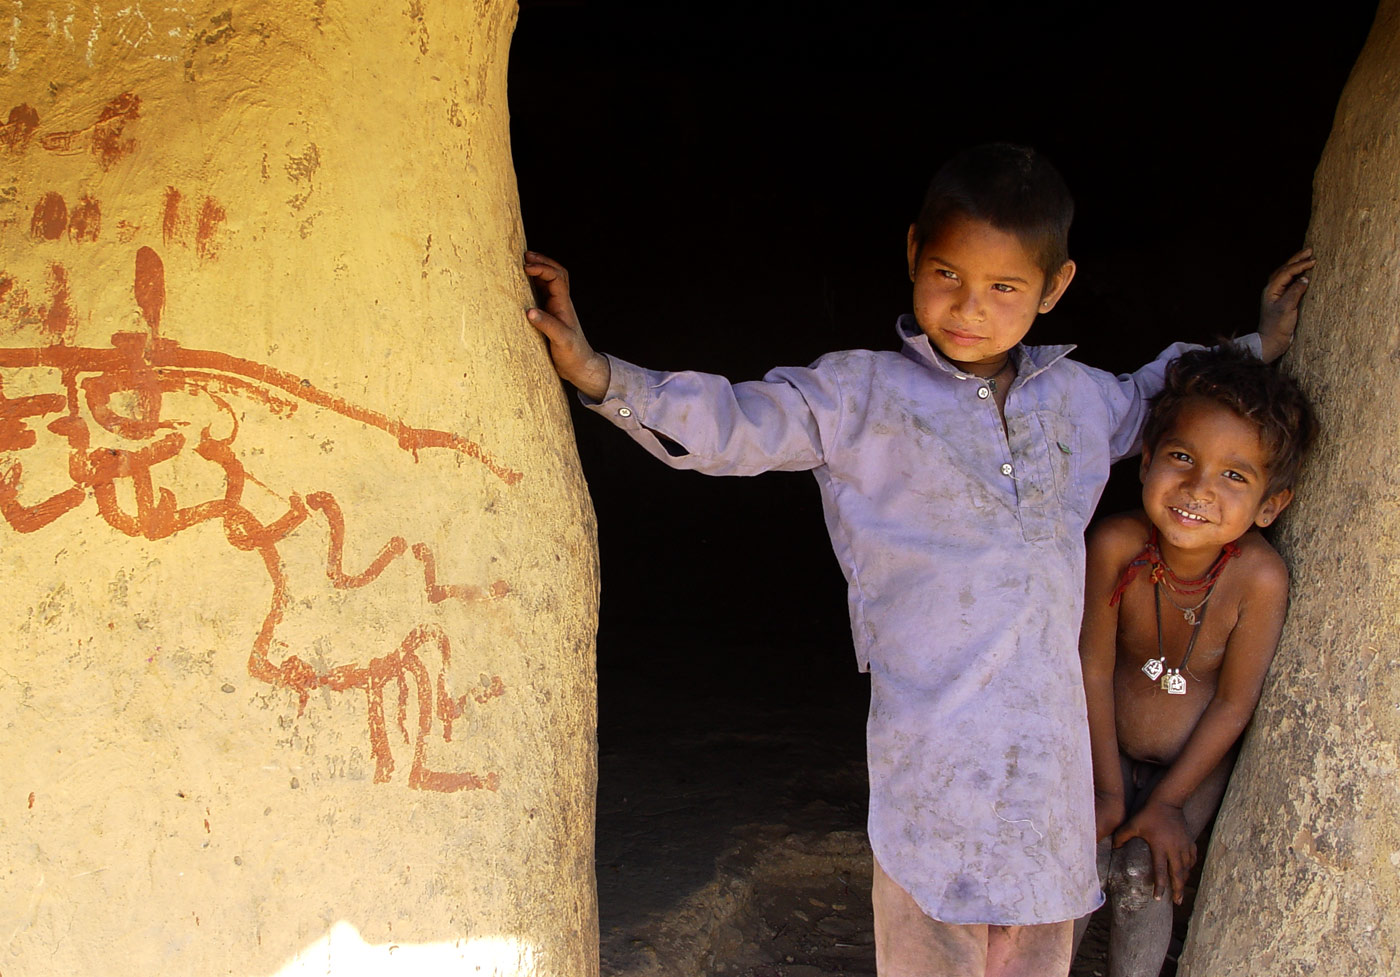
<point x="1174" y="682"/>
<point x="1153" y="668"/>
<point x="1190" y="615"/>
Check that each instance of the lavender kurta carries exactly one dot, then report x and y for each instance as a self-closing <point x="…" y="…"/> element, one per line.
<point x="963" y="548"/>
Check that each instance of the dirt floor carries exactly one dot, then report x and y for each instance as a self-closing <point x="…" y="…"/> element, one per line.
<point x="731" y="828"/>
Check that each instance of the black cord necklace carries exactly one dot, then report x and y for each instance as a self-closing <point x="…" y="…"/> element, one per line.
<point x="992" y="380"/>
<point x="1172" y="681"/>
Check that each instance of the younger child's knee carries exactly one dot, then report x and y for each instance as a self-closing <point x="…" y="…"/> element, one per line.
<point x="1130" y="877"/>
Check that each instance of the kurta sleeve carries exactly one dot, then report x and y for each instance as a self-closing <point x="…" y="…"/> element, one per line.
<point x="703" y="422"/>
<point x="1128" y="395"/>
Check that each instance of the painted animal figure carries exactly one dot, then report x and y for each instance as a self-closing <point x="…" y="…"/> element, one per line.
<point x="115" y="414"/>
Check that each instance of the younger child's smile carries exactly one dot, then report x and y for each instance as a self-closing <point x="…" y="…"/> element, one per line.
<point x="1215" y="466"/>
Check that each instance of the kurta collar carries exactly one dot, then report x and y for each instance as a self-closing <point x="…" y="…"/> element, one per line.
<point x="1030" y="360"/>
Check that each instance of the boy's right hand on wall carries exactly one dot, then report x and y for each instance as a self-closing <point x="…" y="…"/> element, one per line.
<point x="1278" y="306"/>
<point x="574" y="360"/>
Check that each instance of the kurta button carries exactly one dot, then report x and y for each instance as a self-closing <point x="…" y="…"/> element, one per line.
<point x="1006" y="469"/>
<point x="627" y="412"/>
<point x="983" y="392"/>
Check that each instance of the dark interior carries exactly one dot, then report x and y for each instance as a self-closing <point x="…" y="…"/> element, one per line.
<point x="730" y="185"/>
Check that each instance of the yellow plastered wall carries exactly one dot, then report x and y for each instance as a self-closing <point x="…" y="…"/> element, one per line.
<point x="299" y="571"/>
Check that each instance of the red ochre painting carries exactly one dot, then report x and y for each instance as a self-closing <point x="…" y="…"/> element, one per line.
<point x="121" y="391"/>
<point x="104" y="138"/>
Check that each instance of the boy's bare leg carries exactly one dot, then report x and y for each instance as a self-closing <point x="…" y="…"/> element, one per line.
<point x="910" y="944"/>
<point x="1029" y="951"/>
<point x="1141" y="926"/>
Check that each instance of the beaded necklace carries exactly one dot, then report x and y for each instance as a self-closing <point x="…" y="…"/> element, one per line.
<point x="1156" y="670"/>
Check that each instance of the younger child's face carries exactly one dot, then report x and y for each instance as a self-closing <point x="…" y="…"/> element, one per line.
<point x="1204" y="483"/>
<point x="977" y="291"/>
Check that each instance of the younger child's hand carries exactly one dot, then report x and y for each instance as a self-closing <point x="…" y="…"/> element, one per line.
<point x="574" y="359"/>
<point x="1278" y="306"/>
<point x="1163" y="827"/>
<point x="1108" y="814"/>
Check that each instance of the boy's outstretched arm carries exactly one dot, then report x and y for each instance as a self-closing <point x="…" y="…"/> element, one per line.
<point x="1248" y="653"/>
<point x="574" y="359"/>
<point x="1278" y="305"/>
<point x="690" y="420"/>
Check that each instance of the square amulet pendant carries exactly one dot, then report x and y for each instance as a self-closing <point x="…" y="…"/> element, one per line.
<point x="1153" y="668"/>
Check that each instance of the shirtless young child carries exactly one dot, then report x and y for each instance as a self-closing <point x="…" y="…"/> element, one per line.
<point x="1184" y="604"/>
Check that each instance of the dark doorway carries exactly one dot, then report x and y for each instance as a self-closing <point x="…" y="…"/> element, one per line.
<point x="730" y="185"/>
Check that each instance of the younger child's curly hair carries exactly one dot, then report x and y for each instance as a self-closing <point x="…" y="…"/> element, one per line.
<point x="1238" y="380"/>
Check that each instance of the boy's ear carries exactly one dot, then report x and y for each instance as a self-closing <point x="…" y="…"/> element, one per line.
<point x="1144" y="463"/>
<point x="1271" y="507"/>
<point x="912" y="250"/>
<point x="1056" y="286"/>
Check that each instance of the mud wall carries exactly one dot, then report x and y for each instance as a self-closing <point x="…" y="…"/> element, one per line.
<point x="299" y="575"/>
<point x="1303" y="874"/>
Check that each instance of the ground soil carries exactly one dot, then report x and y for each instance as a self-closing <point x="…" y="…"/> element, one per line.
<point x="731" y="826"/>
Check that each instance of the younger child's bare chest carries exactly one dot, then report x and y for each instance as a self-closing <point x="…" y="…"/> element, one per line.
<point x="1186" y="633"/>
<point x="1164" y="678"/>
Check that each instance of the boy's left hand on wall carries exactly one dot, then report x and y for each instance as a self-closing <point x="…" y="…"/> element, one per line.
<point x="1278" y="305"/>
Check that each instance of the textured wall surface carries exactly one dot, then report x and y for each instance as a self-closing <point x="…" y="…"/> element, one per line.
<point x="299" y="575"/>
<point x="1303" y="874"/>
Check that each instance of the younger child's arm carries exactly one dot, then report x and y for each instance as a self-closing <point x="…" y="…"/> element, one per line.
<point x="1248" y="652"/>
<point x="1110" y="546"/>
<point x="1278" y="305"/>
<point x="574" y="359"/>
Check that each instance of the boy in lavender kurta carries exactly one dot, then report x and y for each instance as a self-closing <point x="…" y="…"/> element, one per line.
<point x="957" y="477"/>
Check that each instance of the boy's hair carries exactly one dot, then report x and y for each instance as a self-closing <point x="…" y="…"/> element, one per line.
<point x="1236" y="379"/>
<point x="1014" y="189"/>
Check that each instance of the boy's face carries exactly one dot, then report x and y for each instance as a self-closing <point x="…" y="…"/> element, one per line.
<point x="1204" y="483"/>
<point x="977" y="291"/>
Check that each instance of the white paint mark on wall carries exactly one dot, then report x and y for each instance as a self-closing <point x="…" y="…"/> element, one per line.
<point x="66" y="26"/>
<point x="178" y="31"/>
<point x="155" y="32"/>
<point x="133" y="26"/>
<point x="12" y="62"/>
<point x="136" y="28"/>
<point x="343" y="953"/>
<point x="92" y="34"/>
